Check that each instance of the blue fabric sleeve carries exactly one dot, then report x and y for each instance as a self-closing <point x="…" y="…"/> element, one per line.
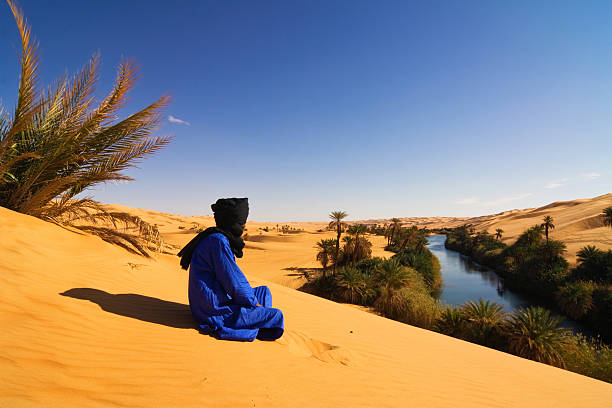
<point x="230" y="276"/>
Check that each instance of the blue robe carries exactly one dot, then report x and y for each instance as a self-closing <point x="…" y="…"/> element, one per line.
<point x="221" y="299"/>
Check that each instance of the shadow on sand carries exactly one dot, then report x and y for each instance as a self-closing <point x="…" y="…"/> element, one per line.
<point x="145" y="308"/>
<point x="303" y="272"/>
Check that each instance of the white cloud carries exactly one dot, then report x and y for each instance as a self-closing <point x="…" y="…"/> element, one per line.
<point x="177" y="120"/>
<point x="492" y="203"/>
<point x="504" y="200"/>
<point x="554" y="185"/>
<point x="466" y="201"/>
<point x="592" y="175"/>
<point x="557" y="183"/>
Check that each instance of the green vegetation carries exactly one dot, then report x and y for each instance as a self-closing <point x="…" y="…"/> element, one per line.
<point x="498" y="234"/>
<point x="404" y="287"/>
<point x="410" y="247"/>
<point x="337" y="224"/>
<point x="534" y="334"/>
<point x="57" y="144"/>
<point x="536" y="266"/>
<point x="326" y="252"/>
<point x="607" y="216"/>
<point x="400" y="288"/>
<point x="288" y="229"/>
<point x="548" y="225"/>
<point x="531" y="333"/>
<point x="482" y="321"/>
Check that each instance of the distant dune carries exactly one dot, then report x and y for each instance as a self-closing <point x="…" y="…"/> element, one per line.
<point x="577" y="223"/>
<point x="87" y="324"/>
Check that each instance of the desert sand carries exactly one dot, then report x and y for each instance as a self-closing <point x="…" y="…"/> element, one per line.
<point x="577" y="223"/>
<point x="88" y="324"/>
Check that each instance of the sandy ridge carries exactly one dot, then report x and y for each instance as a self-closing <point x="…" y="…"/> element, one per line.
<point x="87" y="324"/>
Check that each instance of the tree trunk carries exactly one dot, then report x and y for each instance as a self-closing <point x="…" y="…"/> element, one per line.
<point x="337" y="248"/>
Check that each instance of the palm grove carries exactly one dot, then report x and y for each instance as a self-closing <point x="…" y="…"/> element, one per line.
<point x="405" y="287"/>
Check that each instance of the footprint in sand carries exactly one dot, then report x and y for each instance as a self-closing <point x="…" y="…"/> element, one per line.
<point x="303" y="345"/>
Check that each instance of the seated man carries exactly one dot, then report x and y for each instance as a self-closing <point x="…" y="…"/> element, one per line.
<point x="221" y="299"/>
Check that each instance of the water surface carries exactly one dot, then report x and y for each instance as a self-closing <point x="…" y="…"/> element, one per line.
<point x="465" y="280"/>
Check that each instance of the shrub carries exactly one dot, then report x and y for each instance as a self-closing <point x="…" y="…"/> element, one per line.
<point x="483" y="322"/>
<point x="418" y="308"/>
<point x="534" y="334"/>
<point x="370" y="266"/>
<point x="588" y="357"/>
<point x="424" y="262"/>
<point x="351" y="285"/>
<point x="576" y="298"/>
<point x="451" y="322"/>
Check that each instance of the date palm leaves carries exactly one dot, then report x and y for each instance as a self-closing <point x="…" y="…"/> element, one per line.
<point x="548" y="225"/>
<point x="59" y="142"/>
<point x="533" y="333"/>
<point x="337" y="224"/>
<point x="498" y="233"/>
<point x="607" y="216"/>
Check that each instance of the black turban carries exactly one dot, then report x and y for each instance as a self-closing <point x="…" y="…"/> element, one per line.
<point x="230" y="211"/>
<point x="230" y="216"/>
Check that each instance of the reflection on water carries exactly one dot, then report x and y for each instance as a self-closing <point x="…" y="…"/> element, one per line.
<point x="465" y="280"/>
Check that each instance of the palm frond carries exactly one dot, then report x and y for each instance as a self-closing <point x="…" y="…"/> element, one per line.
<point x="57" y="144"/>
<point x="124" y="240"/>
<point x="103" y="114"/>
<point x="28" y="92"/>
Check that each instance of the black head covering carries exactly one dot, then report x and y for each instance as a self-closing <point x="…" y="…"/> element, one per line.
<point x="230" y="216"/>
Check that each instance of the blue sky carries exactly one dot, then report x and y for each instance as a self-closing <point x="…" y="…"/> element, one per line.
<point x="381" y="109"/>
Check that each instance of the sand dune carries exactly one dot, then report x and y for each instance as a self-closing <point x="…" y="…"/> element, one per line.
<point x="577" y="223"/>
<point x="87" y="324"/>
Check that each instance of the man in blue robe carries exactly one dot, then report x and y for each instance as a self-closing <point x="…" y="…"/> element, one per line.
<point x="221" y="299"/>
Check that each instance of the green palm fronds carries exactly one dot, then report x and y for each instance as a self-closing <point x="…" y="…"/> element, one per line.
<point x="483" y="320"/>
<point x="498" y="233"/>
<point x="548" y="225"/>
<point x="533" y="333"/>
<point x="326" y="252"/>
<point x="57" y="144"/>
<point x="576" y="298"/>
<point x="451" y="322"/>
<point x="392" y="275"/>
<point x="607" y="216"/>
<point x="351" y="284"/>
<point x="337" y="224"/>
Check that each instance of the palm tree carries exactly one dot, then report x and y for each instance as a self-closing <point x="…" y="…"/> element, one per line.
<point x="533" y="333"/>
<point x="498" y="234"/>
<point x="337" y="224"/>
<point x="451" y="322"/>
<point x="530" y="238"/>
<point x="326" y="252"/>
<point x="482" y="320"/>
<point x="607" y="216"/>
<point x="356" y="230"/>
<point x="592" y="264"/>
<point x="588" y="254"/>
<point x="57" y="144"/>
<point x="576" y="298"/>
<point x="548" y="225"/>
<point x="391" y="277"/>
<point x="395" y="227"/>
<point x="351" y="284"/>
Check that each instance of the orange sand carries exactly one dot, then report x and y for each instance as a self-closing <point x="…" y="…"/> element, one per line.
<point x="577" y="223"/>
<point x="122" y="335"/>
